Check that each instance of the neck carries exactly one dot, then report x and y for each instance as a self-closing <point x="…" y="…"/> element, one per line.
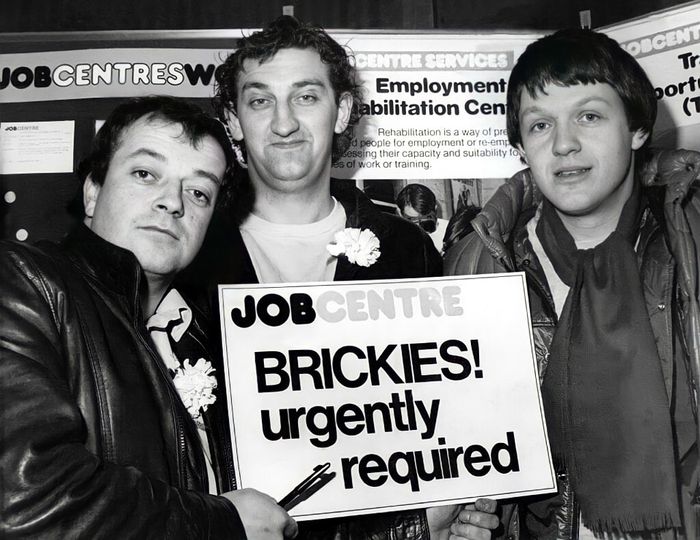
<point x="156" y="286"/>
<point x="293" y="208"/>
<point x="588" y="232"/>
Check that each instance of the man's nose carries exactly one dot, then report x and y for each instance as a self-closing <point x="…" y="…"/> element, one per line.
<point x="170" y="198"/>
<point x="284" y="121"/>
<point x="565" y="140"/>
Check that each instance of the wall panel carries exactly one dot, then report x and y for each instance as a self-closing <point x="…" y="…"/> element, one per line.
<point x="75" y="15"/>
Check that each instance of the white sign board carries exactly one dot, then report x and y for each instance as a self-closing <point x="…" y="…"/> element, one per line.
<point x="417" y="392"/>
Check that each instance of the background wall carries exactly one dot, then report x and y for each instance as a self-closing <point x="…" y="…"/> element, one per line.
<point x="75" y="15"/>
<point x="32" y="206"/>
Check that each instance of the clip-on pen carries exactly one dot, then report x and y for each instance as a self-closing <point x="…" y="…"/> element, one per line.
<point x="307" y="487"/>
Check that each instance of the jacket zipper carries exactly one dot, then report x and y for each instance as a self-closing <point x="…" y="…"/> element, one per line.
<point x="180" y="456"/>
<point x="218" y="474"/>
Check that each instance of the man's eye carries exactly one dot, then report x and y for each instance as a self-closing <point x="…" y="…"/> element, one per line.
<point x="590" y="117"/>
<point x="258" y="103"/>
<point x="199" y="197"/>
<point x="142" y="174"/>
<point x="307" y="98"/>
<point x="539" y="126"/>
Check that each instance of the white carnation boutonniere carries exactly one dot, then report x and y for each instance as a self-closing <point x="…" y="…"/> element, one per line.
<point x="360" y="246"/>
<point x="195" y="384"/>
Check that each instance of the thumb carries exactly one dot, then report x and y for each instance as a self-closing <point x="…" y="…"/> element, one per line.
<point x="291" y="529"/>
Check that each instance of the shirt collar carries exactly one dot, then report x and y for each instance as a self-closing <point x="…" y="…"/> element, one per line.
<point x="172" y="314"/>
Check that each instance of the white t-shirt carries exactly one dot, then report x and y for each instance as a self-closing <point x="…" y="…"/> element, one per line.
<point x="283" y="253"/>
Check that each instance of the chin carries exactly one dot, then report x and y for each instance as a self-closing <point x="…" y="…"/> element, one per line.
<point x="293" y="180"/>
<point x="571" y="208"/>
<point x="163" y="268"/>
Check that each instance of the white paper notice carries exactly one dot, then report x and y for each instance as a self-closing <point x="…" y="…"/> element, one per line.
<point x="36" y="147"/>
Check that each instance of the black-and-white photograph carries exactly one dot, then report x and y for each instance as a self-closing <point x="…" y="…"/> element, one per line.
<point x="402" y="270"/>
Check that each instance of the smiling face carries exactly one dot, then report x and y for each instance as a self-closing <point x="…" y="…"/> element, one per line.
<point x="578" y="144"/>
<point x="158" y="195"/>
<point x="287" y="115"/>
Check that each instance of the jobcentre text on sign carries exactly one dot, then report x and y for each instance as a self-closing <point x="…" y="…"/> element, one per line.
<point x="417" y="392"/>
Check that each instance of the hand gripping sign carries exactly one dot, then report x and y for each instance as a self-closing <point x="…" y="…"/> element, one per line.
<point x="417" y="393"/>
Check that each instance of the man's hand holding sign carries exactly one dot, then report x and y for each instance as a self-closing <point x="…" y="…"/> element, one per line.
<point x="375" y="378"/>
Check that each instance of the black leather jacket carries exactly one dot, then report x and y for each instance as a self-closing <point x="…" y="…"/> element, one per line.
<point x="94" y="441"/>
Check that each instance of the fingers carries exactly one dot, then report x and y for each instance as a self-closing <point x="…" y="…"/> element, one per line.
<point x="476" y="521"/>
<point x="468" y="531"/>
<point x="291" y="529"/>
<point x="440" y="517"/>
<point x="486" y="505"/>
<point x="261" y="516"/>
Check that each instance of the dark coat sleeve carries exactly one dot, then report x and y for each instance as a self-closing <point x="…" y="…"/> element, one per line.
<point x="52" y="486"/>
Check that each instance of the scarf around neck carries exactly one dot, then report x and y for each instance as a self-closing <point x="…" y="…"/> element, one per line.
<point x="604" y="397"/>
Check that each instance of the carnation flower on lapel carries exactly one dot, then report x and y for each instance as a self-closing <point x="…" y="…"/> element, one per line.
<point x="360" y="246"/>
<point x="195" y="384"/>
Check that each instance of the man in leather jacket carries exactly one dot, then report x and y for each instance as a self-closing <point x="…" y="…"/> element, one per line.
<point x="95" y="440"/>
<point x="290" y="97"/>
<point x="608" y="239"/>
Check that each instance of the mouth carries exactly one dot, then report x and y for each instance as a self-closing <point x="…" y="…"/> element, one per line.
<point x="571" y="172"/>
<point x="161" y="230"/>
<point x="285" y="145"/>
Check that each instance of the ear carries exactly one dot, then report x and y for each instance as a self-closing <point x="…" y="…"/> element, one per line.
<point x="91" y="192"/>
<point x="344" y="112"/>
<point x="234" y="125"/>
<point x="639" y="137"/>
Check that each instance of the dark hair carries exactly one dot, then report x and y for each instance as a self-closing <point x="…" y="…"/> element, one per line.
<point x="288" y="33"/>
<point x="422" y="200"/>
<point x="577" y="56"/>
<point x="195" y="123"/>
<point x="419" y="197"/>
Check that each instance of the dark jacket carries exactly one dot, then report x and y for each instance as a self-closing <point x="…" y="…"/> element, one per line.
<point x="406" y="252"/>
<point x="94" y="440"/>
<point x="665" y="251"/>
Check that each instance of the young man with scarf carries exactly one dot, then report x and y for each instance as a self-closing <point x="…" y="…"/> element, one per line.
<point x="608" y="242"/>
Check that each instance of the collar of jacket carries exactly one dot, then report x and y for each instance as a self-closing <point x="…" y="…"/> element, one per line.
<point x="502" y="212"/>
<point x="362" y="214"/>
<point x="674" y="170"/>
<point x="114" y="269"/>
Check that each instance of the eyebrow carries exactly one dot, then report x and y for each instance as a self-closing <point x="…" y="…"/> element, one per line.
<point x="148" y="152"/>
<point x="581" y="102"/>
<point x="254" y="85"/>
<point x="210" y="175"/>
<point x="160" y="157"/>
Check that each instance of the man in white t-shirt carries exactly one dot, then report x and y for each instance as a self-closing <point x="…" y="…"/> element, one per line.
<point x="290" y="98"/>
